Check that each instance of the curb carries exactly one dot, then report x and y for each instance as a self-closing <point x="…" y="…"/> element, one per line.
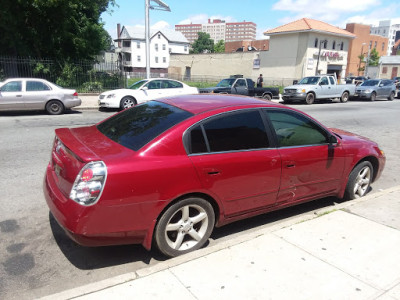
<point x="173" y="262"/>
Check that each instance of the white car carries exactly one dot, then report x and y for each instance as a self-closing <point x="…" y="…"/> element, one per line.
<point x="142" y="91"/>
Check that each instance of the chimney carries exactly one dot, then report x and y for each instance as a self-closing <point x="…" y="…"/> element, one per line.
<point x="119" y="34"/>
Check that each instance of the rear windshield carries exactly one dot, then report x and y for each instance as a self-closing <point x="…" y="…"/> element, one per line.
<point x="135" y="127"/>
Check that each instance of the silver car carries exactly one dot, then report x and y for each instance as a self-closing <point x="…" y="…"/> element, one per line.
<point x="376" y="88"/>
<point x="36" y="94"/>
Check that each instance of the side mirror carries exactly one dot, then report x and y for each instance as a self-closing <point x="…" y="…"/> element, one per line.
<point x="333" y="140"/>
<point x="145" y="88"/>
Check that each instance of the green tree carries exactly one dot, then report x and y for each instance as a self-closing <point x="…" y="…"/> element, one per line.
<point x="373" y="59"/>
<point x="203" y="44"/>
<point x="219" y="47"/>
<point x="59" y="29"/>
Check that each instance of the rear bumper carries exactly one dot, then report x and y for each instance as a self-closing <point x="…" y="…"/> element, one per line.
<point x="73" y="102"/>
<point x="95" y="225"/>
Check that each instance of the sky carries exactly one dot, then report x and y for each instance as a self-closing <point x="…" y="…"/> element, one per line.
<point x="267" y="14"/>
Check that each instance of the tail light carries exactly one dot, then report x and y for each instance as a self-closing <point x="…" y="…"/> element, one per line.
<point x="89" y="183"/>
<point x="75" y="94"/>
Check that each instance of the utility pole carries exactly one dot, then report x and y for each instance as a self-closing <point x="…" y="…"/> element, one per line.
<point x="160" y="6"/>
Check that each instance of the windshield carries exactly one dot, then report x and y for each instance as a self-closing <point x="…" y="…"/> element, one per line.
<point x="309" y="80"/>
<point x="370" y="83"/>
<point x="135" y="127"/>
<point x="226" y="82"/>
<point x="138" y="84"/>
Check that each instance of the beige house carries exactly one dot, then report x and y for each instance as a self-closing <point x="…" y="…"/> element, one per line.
<point x="305" y="47"/>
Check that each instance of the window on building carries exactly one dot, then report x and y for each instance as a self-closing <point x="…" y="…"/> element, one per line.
<point x="334" y="45"/>
<point x="370" y="45"/>
<point x="139" y="58"/>
<point x="156" y="47"/>
<point x="159" y="36"/>
<point x="341" y="46"/>
<point x="156" y="59"/>
<point x="164" y="46"/>
<point x="164" y="59"/>
<point x="383" y="46"/>
<point x="384" y="70"/>
<point x="325" y="44"/>
<point x="126" y="44"/>
<point x="376" y="43"/>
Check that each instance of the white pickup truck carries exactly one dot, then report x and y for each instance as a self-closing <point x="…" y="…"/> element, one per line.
<point x="318" y="87"/>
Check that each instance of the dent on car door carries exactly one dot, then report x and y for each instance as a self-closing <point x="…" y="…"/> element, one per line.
<point x="11" y="96"/>
<point x="311" y="167"/>
<point x="235" y="162"/>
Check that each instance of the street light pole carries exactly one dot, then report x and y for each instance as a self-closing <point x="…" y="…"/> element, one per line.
<point x="361" y="55"/>
<point x="319" y="54"/>
<point x="160" y="6"/>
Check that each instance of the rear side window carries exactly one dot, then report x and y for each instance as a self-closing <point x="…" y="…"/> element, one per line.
<point x="135" y="127"/>
<point x="293" y="129"/>
<point x="36" y="86"/>
<point x="229" y="132"/>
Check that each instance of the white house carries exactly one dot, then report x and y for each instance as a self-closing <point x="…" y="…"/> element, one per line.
<point x="132" y="49"/>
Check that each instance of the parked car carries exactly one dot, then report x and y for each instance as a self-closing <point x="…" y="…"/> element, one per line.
<point x="350" y="79"/>
<point x="242" y="86"/>
<point x="360" y="79"/>
<point x="318" y="87"/>
<point x="376" y="88"/>
<point x="144" y="90"/>
<point x="36" y="94"/>
<point x="167" y="171"/>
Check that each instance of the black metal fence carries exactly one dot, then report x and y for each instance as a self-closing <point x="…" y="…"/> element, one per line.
<point x="85" y="76"/>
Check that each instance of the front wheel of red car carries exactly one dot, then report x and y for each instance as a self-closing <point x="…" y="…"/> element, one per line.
<point x="359" y="180"/>
<point x="184" y="227"/>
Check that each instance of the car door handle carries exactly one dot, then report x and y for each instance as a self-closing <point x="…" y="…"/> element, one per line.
<point x="212" y="171"/>
<point x="18" y="96"/>
<point x="289" y="164"/>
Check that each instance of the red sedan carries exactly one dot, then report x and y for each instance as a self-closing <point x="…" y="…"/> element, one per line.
<point x="168" y="171"/>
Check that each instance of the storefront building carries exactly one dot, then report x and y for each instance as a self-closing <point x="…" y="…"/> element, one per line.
<point x="305" y="47"/>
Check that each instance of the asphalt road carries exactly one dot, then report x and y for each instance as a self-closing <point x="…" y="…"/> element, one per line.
<point x="36" y="257"/>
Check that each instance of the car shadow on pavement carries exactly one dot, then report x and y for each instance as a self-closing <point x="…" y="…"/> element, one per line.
<point x="272" y="217"/>
<point x="89" y="258"/>
<point x="15" y="113"/>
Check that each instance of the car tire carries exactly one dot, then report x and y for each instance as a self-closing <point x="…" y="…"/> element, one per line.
<point x="345" y="97"/>
<point x="359" y="180"/>
<point x="127" y="102"/>
<point x="267" y="97"/>
<point x="55" y="107"/>
<point x="391" y="96"/>
<point x="373" y="96"/>
<point x="310" y="98"/>
<point x="184" y="227"/>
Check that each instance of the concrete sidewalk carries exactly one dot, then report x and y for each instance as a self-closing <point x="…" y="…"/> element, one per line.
<point x="90" y="101"/>
<point x="346" y="251"/>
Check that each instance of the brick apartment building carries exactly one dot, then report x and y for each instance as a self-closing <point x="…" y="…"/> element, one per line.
<point x="259" y="45"/>
<point x="363" y="43"/>
<point x="220" y="30"/>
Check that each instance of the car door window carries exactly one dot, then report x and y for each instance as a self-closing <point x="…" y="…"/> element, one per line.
<point x="293" y="129"/>
<point x="324" y="81"/>
<point x="153" y="85"/>
<point x="332" y="80"/>
<point x="172" y="84"/>
<point x="13" y="86"/>
<point x="36" y="86"/>
<point x="229" y="132"/>
<point x="240" y="83"/>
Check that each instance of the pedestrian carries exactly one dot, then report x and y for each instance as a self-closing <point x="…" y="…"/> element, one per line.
<point x="260" y="81"/>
